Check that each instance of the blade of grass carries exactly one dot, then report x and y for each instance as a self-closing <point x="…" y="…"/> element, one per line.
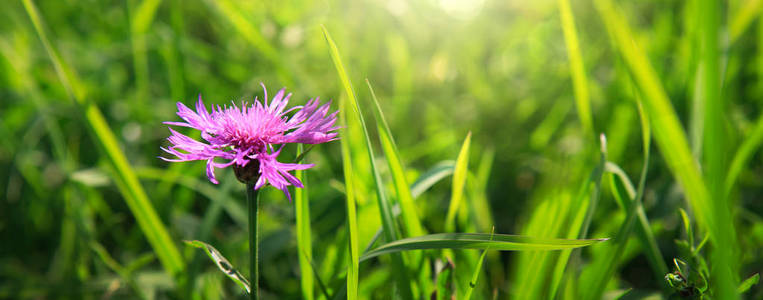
<point x="426" y="180"/>
<point x="385" y="210"/>
<point x="304" y="236"/>
<point x="411" y="222"/>
<point x="431" y="176"/>
<point x="670" y="137"/>
<point x="604" y="269"/>
<point x="558" y="210"/>
<point x="501" y="242"/>
<point x="646" y="237"/>
<point x="604" y="272"/>
<point x="248" y="30"/>
<point x="743" y="18"/>
<point x="582" y="219"/>
<point x="459" y="181"/>
<point x="235" y="210"/>
<point x="482" y="212"/>
<point x="352" y="219"/>
<point x="477" y="271"/>
<point x="132" y="191"/>
<point x="123" y="272"/>
<point x="748" y="283"/>
<point x="140" y="21"/>
<point x="725" y="273"/>
<point x="750" y="145"/>
<point x="577" y="68"/>
<point x="223" y="264"/>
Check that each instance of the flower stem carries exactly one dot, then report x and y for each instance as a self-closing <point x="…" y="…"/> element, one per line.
<point x="254" y="231"/>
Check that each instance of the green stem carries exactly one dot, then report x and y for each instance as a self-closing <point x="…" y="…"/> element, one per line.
<point x="254" y="231"/>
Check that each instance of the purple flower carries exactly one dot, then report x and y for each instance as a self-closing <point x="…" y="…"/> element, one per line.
<point x="246" y="137"/>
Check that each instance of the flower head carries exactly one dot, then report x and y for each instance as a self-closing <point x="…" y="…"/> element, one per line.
<point x="247" y="136"/>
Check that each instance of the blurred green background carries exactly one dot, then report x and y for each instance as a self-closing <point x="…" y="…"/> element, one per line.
<point x="441" y="68"/>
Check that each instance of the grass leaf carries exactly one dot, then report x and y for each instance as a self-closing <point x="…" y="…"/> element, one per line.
<point x="132" y="191"/>
<point x="750" y="145"/>
<point x="477" y="271"/>
<point x="352" y="219"/>
<point x="501" y="242"/>
<point x="222" y="263"/>
<point x="577" y="67"/>
<point x="459" y="181"/>
<point x="411" y="222"/>
<point x="748" y="283"/>
<point x="304" y="236"/>
<point x="671" y="138"/>
<point x="385" y="210"/>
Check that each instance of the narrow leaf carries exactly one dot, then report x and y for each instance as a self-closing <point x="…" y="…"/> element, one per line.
<point x="385" y="209"/>
<point x="501" y="242"/>
<point x="711" y="212"/>
<point x="129" y="186"/>
<point x="459" y="181"/>
<point x="304" y="235"/>
<point x="407" y="208"/>
<point x="222" y="263"/>
<point x="431" y="176"/>
<point x="748" y="283"/>
<point x="577" y="68"/>
<point x="477" y="271"/>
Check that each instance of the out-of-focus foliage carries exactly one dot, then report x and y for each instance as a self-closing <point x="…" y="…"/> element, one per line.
<point x="516" y="74"/>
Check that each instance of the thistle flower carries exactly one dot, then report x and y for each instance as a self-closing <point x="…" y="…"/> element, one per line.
<point x="248" y="137"/>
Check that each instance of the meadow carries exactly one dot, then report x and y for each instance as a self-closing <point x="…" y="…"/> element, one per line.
<point x="595" y="149"/>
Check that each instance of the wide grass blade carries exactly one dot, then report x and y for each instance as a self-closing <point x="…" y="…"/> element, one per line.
<point x="411" y="222"/>
<point x="577" y="68"/>
<point x="501" y="242"/>
<point x="670" y="137"/>
<point x="222" y="263"/>
<point x="385" y="210"/>
<point x="132" y="191"/>
<point x="304" y="236"/>
<point x="459" y="181"/>
<point x="725" y="273"/>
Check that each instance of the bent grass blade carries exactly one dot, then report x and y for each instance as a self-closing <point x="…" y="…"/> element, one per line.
<point x="501" y="242"/>
<point x="222" y="263"/>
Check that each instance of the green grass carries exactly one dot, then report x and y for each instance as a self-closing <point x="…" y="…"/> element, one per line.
<point x="124" y="176"/>
<point x="455" y="122"/>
